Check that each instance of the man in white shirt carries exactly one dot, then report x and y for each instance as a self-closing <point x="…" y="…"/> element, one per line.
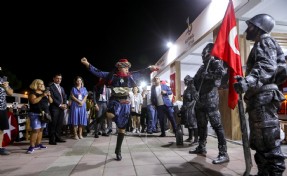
<point x="160" y="99"/>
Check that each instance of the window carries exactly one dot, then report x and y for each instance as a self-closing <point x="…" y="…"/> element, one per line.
<point x="10" y="99"/>
<point x="24" y="100"/>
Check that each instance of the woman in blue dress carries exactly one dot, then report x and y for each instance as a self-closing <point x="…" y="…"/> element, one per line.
<point x="78" y="110"/>
<point x="120" y="81"/>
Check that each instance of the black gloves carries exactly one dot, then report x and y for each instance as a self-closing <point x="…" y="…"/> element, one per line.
<point x="242" y="85"/>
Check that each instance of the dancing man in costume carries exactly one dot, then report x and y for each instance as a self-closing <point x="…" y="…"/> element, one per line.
<point x="120" y="81"/>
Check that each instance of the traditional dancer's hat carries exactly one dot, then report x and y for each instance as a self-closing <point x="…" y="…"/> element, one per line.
<point x="122" y="63"/>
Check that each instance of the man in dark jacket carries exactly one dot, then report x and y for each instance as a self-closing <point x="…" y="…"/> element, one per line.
<point x="160" y="99"/>
<point x="101" y="98"/>
<point x="57" y="110"/>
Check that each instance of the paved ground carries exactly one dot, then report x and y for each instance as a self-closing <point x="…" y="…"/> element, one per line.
<point x="146" y="155"/>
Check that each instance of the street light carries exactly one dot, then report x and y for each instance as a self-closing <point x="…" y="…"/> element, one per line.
<point x="143" y="84"/>
<point x="169" y="44"/>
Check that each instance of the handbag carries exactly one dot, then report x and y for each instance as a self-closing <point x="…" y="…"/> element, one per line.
<point x="45" y="117"/>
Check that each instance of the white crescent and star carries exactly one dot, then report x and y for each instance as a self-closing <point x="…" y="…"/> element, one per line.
<point x="231" y="39"/>
<point x="10" y="128"/>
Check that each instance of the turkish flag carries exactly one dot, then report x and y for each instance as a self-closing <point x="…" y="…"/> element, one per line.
<point x="226" y="48"/>
<point x="10" y="134"/>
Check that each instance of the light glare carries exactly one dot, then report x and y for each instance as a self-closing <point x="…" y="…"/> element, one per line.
<point x="169" y="44"/>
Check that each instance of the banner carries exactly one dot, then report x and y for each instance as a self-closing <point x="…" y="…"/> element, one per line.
<point x="10" y="135"/>
<point x="172" y="83"/>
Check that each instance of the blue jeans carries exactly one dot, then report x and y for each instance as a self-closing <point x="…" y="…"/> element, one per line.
<point x="152" y="118"/>
<point x="35" y="122"/>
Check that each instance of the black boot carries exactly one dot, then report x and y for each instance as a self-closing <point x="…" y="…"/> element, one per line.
<point x="120" y="139"/>
<point x="143" y="129"/>
<point x="96" y="130"/>
<point x="189" y="139"/>
<point x="200" y="149"/>
<point x="261" y="163"/>
<point x="96" y="135"/>
<point x="195" y="141"/>
<point x="222" y="156"/>
<point x="52" y="140"/>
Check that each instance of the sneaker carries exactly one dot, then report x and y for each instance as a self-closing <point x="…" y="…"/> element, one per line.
<point x="3" y="151"/>
<point x="30" y="150"/>
<point x="40" y="146"/>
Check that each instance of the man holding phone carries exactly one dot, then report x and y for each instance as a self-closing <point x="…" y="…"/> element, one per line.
<point x="5" y="90"/>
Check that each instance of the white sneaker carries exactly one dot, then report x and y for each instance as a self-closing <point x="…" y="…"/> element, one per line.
<point x="134" y="130"/>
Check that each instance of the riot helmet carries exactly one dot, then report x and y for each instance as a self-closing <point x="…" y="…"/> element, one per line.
<point x="264" y="22"/>
<point x="206" y="52"/>
<point x="187" y="79"/>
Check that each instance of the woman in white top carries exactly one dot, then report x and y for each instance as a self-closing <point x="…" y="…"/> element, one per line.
<point x="136" y="103"/>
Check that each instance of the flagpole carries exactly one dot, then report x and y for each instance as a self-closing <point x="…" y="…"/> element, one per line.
<point x="245" y="139"/>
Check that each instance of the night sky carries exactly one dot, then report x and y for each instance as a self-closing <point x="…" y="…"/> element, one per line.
<point x="40" y="39"/>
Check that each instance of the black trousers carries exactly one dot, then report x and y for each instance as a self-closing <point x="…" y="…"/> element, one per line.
<point x="55" y="126"/>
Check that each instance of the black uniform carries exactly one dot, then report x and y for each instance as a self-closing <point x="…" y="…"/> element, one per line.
<point x="266" y="69"/>
<point x="188" y="117"/>
<point x="207" y="80"/>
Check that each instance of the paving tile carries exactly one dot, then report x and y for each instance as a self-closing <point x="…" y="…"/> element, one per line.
<point x="120" y="171"/>
<point x="146" y="155"/>
<point x="144" y="170"/>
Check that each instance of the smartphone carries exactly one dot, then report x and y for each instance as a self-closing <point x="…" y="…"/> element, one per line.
<point x="47" y="89"/>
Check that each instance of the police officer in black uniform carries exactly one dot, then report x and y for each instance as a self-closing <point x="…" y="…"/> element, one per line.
<point x="266" y="69"/>
<point x="206" y="81"/>
<point x="188" y="117"/>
